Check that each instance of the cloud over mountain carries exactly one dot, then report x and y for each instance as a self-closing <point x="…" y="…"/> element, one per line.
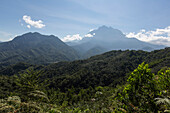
<point x="76" y="37"/>
<point x="158" y="36"/>
<point x="30" y="22"/>
<point x="69" y="38"/>
<point x="89" y="35"/>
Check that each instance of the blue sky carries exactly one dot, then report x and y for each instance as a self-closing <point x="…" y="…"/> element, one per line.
<point x="70" y="17"/>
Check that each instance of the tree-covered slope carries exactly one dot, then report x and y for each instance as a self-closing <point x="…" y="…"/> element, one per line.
<point x="107" y="69"/>
<point x="41" y="89"/>
<point x="35" y="48"/>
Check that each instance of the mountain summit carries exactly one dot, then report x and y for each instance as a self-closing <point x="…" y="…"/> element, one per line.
<point x="106" y="34"/>
<point x="36" y="48"/>
<point x="109" y="38"/>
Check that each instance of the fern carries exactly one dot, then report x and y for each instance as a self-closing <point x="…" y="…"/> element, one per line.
<point x="165" y="101"/>
<point x="38" y="94"/>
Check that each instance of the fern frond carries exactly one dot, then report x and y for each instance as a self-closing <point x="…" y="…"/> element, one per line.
<point x="38" y="94"/>
<point x="165" y="101"/>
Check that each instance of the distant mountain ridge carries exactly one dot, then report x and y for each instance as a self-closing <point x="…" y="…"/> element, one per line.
<point x="109" y="38"/>
<point x="36" y="48"/>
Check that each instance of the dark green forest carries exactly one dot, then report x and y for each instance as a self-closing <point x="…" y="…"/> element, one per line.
<point x="114" y="82"/>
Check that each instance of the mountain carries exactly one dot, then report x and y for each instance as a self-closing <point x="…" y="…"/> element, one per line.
<point x="35" y="48"/>
<point x="109" y="38"/>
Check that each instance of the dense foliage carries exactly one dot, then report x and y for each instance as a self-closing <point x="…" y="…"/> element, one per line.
<point x="143" y="92"/>
<point x="108" y="69"/>
<point x="116" y="81"/>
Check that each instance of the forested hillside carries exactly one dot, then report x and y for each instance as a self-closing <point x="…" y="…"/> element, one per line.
<point x="116" y="81"/>
<point x="108" y="69"/>
<point x="35" y="48"/>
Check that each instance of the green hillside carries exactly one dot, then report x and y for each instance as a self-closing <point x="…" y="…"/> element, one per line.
<point x="35" y="48"/>
<point x="108" y="69"/>
<point x="116" y="81"/>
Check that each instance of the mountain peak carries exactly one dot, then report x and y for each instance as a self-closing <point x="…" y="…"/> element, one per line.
<point x="107" y="30"/>
<point x="35" y="39"/>
<point x="33" y="36"/>
<point x="31" y="46"/>
<point x="31" y="33"/>
<point x="105" y="27"/>
<point x="107" y="33"/>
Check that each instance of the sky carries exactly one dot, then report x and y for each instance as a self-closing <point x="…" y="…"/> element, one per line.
<point x="146" y="20"/>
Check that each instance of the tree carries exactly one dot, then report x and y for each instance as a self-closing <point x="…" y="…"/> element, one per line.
<point x="29" y="80"/>
<point x="140" y="91"/>
<point x="162" y="80"/>
<point x="31" y="85"/>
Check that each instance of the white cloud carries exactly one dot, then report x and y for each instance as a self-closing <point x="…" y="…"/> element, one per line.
<point x="69" y="38"/>
<point x="91" y="30"/>
<point x="36" y="24"/>
<point x="28" y="26"/>
<point x="88" y="35"/>
<point x="77" y="37"/>
<point x="158" y="36"/>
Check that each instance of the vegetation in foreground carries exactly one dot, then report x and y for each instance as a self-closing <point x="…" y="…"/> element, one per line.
<point x="110" y="82"/>
<point x="144" y="91"/>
